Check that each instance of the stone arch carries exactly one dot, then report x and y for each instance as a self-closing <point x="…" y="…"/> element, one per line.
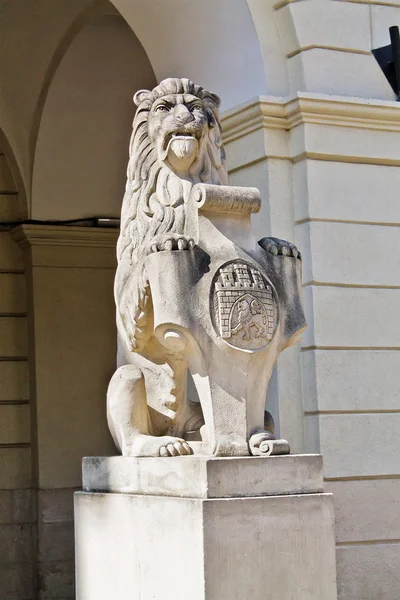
<point x="15" y="184"/>
<point x="228" y="37"/>
<point x="81" y="148"/>
<point x="231" y="47"/>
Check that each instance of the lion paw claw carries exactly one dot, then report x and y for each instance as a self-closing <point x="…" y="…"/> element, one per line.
<point x="170" y="243"/>
<point x="279" y="247"/>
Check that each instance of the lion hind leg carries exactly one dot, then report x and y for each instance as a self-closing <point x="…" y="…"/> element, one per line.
<point x="129" y="418"/>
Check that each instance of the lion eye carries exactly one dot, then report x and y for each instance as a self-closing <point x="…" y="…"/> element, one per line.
<point x="162" y="108"/>
<point x="197" y="107"/>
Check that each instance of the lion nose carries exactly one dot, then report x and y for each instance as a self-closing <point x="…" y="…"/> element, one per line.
<point x="182" y="114"/>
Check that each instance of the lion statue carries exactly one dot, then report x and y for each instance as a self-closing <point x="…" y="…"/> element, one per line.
<point x="175" y="143"/>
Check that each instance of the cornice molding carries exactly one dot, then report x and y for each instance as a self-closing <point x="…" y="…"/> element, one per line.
<point x="54" y="235"/>
<point x="67" y="247"/>
<point x="267" y="112"/>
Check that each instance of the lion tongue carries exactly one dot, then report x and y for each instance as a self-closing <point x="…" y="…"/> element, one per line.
<point x="183" y="147"/>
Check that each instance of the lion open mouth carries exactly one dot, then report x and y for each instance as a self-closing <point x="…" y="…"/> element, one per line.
<point x="182" y="144"/>
<point x="185" y="136"/>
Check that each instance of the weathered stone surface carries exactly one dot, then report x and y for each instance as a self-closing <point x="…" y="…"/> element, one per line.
<point x="56" y="541"/>
<point x="196" y="477"/>
<point x="266" y="547"/>
<point x="57" y="580"/>
<point x="325" y="264"/>
<point x="5" y="506"/>
<point x="23" y="506"/>
<point x="338" y="327"/>
<point x="56" y="506"/>
<point x="356" y="380"/>
<point x="366" y="510"/>
<point x="368" y="572"/>
<point x="15" y="543"/>
<point x="356" y="433"/>
<point x="16" y="581"/>
<point x="194" y="290"/>
<point x="354" y="186"/>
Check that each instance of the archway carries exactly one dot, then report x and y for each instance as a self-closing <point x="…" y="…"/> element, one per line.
<point x="81" y="150"/>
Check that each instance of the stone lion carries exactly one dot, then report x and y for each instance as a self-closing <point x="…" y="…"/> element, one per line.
<point x="175" y="143"/>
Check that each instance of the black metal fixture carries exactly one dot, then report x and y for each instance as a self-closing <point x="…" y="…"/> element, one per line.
<point x="388" y="58"/>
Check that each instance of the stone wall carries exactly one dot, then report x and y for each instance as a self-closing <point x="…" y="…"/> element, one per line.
<point x="70" y="272"/>
<point x="329" y="166"/>
<point x="17" y="513"/>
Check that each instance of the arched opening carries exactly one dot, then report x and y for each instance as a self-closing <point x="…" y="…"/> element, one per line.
<point x="81" y="150"/>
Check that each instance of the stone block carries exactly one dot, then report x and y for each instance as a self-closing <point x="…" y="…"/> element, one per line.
<point x="56" y="506"/>
<point x="14" y="380"/>
<point x="5" y="506"/>
<point x="191" y="477"/>
<point x="335" y="25"/>
<point x="16" y="581"/>
<point x="354" y="188"/>
<point x="14" y="424"/>
<point x="11" y="256"/>
<point x="368" y="572"/>
<point x="359" y="444"/>
<point x="326" y="261"/>
<point x="326" y="71"/>
<point x="57" y="580"/>
<point x="336" y="141"/>
<point x="15" y="543"/>
<point x="273" y="178"/>
<point x="12" y="293"/>
<point x="255" y="547"/>
<point x="56" y="541"/>
<point x="351" y="317"/>
<point x="366" y="510"/>
<point x="350" y="380"/>
<point x="23" y="506"/>
<point x="15" y="468"/>
<point x="13" y="337"/>
<point x="256" y="146"/>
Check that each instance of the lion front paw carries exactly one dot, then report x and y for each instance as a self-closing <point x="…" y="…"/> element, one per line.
<point x="174" y="447"/>
<point x="170" y="242"/>
<point x="276" y="246"/>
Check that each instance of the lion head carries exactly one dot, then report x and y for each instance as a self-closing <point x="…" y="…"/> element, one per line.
<point x="175" y="143"/>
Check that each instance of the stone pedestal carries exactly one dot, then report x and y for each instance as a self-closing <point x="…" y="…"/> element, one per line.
<point x="204" y="528"/>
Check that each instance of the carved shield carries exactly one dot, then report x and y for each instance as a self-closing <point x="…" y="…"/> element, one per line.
<point x="244" y="307"/>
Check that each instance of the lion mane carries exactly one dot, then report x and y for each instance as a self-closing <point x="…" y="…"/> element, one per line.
<point x="154" y="204"/>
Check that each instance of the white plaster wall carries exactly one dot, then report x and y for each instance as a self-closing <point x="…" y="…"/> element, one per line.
<point x="30" y="33"/>
<point x="86" y="124"/>
<point x="213" y="43"/>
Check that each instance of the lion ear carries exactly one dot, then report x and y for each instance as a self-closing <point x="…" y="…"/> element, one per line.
<point x="214" y="99"/>
<point x="140" y="96"/>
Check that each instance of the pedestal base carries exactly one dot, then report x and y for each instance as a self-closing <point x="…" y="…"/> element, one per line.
<point x="252" y="547"/>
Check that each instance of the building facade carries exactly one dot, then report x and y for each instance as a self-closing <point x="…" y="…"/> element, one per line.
<point x="310" y="119"/>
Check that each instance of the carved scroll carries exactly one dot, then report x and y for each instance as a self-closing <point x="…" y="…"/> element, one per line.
<point x="223" y="198"/>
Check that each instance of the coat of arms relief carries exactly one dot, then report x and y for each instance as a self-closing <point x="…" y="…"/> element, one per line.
<point x="244" y="307"/>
